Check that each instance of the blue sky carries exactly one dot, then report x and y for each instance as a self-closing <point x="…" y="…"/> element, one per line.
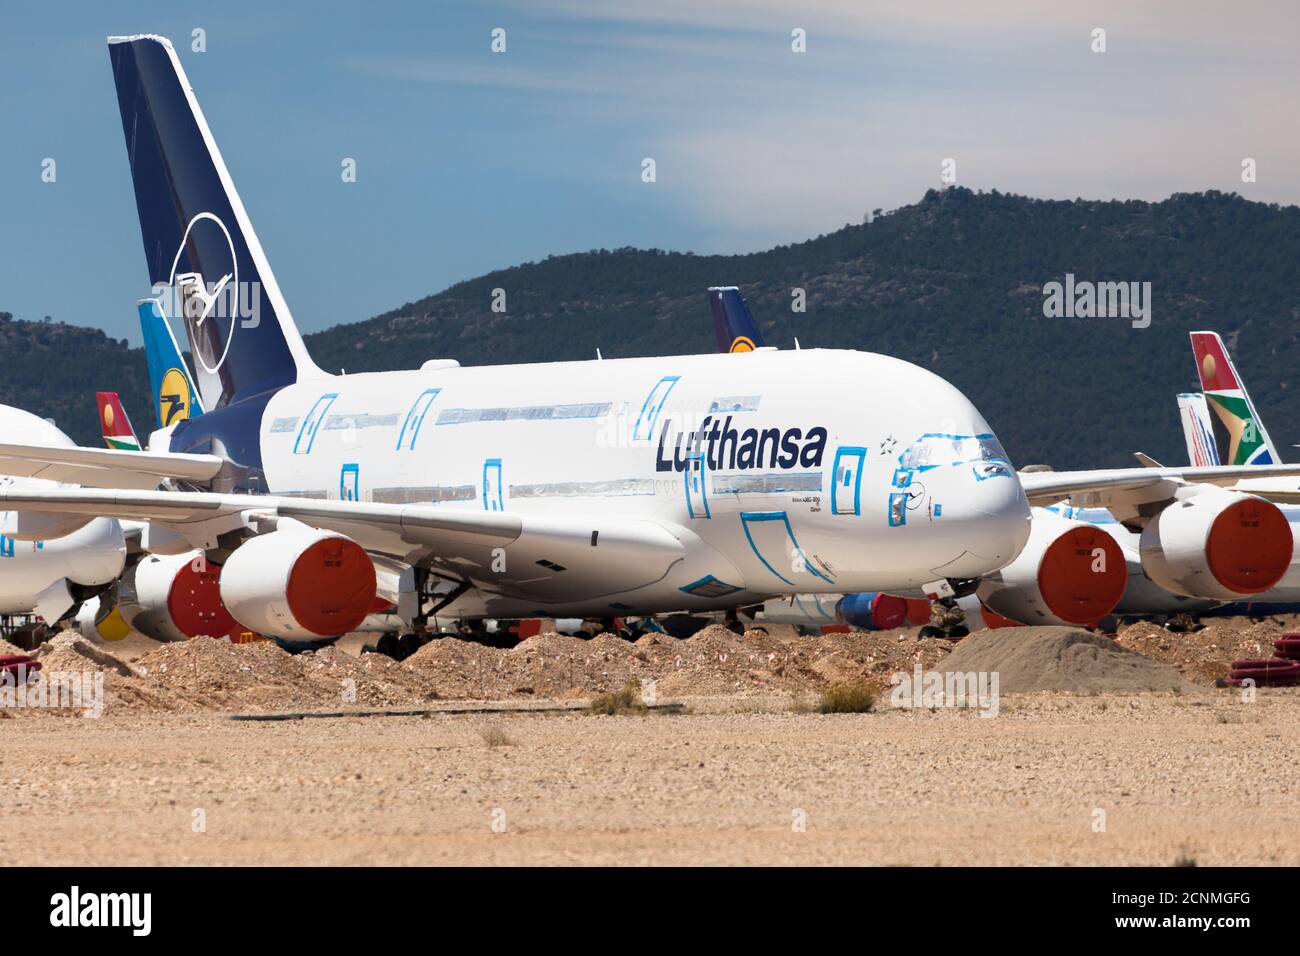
<point x="469" y="161"/>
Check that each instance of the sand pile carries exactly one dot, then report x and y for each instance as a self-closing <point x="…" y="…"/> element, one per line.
<point x="1206" y="654"/>
<point x="216" y="675"/>
<point x="10" y="650"/>
<point x="207" y="675"/>
<point x="546" y="665"/>
<point x="1060" y="659"/>
<point x="70" y="652"/>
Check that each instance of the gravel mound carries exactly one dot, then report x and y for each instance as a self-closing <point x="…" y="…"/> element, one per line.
<point x="1060" y="659"/>
<point x="1206" y="654"/>
<point x="205" y="675"/>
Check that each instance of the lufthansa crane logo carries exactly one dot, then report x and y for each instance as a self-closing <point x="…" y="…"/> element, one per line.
<point x="742" y="343"/>
<point x="204" y="283"/>
<point x="174" y="397"/>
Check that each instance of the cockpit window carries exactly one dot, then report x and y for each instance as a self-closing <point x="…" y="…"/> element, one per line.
<point x="931" y="451"/>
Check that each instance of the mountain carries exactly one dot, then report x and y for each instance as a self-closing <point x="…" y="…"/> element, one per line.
<point x="954" y="283"/>
<point x="53" y="370"/>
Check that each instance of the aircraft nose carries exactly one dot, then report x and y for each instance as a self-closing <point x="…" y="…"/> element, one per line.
<point x="992" y="520"/>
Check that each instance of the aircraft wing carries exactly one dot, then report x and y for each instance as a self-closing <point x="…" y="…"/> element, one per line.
<point x="104" y="467"/>
<point x="1106" y="488"/>
<point x="549" y="558"/>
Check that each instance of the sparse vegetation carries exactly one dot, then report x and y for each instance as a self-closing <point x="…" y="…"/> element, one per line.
<point x="625" y="701"/>
<point x="495" y="736"/>
<point x="855" y="698"/>
<point x="1185" y="858"/>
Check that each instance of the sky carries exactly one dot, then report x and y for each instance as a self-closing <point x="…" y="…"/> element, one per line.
<point x="469" y="160"/>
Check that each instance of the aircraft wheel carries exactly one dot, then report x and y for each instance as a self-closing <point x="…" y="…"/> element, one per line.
<point x="390" y="646"/>
<point x="956" y="632"/>
<point x="409" y="644"/>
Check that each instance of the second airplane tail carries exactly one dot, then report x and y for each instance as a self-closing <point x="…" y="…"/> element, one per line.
<point x="733" y="325"/>
<point x="1243" y="434"/>
<point x="174" y="397"/>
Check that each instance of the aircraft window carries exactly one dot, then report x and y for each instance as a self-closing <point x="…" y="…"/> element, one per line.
<point x="338" y="422"/>
<point x="735" y="403"/>
<point x="769" y="484"/>
<point x="934" y="450"/>
<point x="577" y="489"/>
<point x="404" y="495"/>
<point x="462" y="416"/>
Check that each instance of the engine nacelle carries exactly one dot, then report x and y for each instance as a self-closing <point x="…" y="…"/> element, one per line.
<point x="1219" y="544"/>
<point x="871" y="611"/>
<point x="299" y="583"/>
<point x="99" y="622"/>
<point x="1069" y="572"/>
<point x="173" y="597"/>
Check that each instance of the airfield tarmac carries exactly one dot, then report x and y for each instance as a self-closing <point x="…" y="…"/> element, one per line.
<point x="1194" y="777"/>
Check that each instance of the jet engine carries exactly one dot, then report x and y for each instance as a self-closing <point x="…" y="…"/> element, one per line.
<point x="871" y="611"/>
<point x="1219" y="544"/>
<point x="299" y="583"/>
<point x="172" y="597"/>
<point x="1069" y="572"/>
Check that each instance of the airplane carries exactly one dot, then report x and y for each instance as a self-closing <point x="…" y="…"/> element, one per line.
<point x="1079" y="566"/>
<point x="48" y="570"/>
<point x="557" y="489"/>
<point x="1248" y="443"/>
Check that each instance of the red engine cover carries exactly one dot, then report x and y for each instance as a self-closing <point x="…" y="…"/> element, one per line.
<point x="194" y="601"/>
<point x="1082" y="575"/>
<point x="331" y="588"/>
<point x="1249" y="546"/>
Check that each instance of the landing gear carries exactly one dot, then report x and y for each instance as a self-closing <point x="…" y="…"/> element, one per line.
<point x="397" y="646"/>
<point x="388" y="646"/>
<point x="733" y="623"/>
<point x="947" y="621"/>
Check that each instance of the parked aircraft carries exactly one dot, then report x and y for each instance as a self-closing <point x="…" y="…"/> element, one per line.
<point x="49" y="564"/>
<point x="556" y="489"/>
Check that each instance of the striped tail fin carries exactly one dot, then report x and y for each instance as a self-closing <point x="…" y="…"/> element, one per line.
<point x="1240" y="430"/>
<point x="1198" y="431"/>
<point x="118" y="432"/>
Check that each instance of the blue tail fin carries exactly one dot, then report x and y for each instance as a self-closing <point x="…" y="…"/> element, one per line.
<point x="174" y="397"/>
<point x="732" y="324"/>
<point x="206" y="265"/>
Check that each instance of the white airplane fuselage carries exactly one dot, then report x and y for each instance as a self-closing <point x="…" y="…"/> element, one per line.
<point x="41" y="572"/>
<point x="779" y="472"/>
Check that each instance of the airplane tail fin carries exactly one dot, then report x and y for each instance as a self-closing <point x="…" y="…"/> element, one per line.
<point x="118" y="432"/>
<point x="205" y="262"/>
<point x="733" y="325"/>
<point x="174" y="396"/>
<point x="1198" y="431"/>
<point x="1241" y="430"/>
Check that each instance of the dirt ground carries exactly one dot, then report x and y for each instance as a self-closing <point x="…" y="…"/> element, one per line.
<point x="746" y="776"/>
<point x="1198" y="776"/>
